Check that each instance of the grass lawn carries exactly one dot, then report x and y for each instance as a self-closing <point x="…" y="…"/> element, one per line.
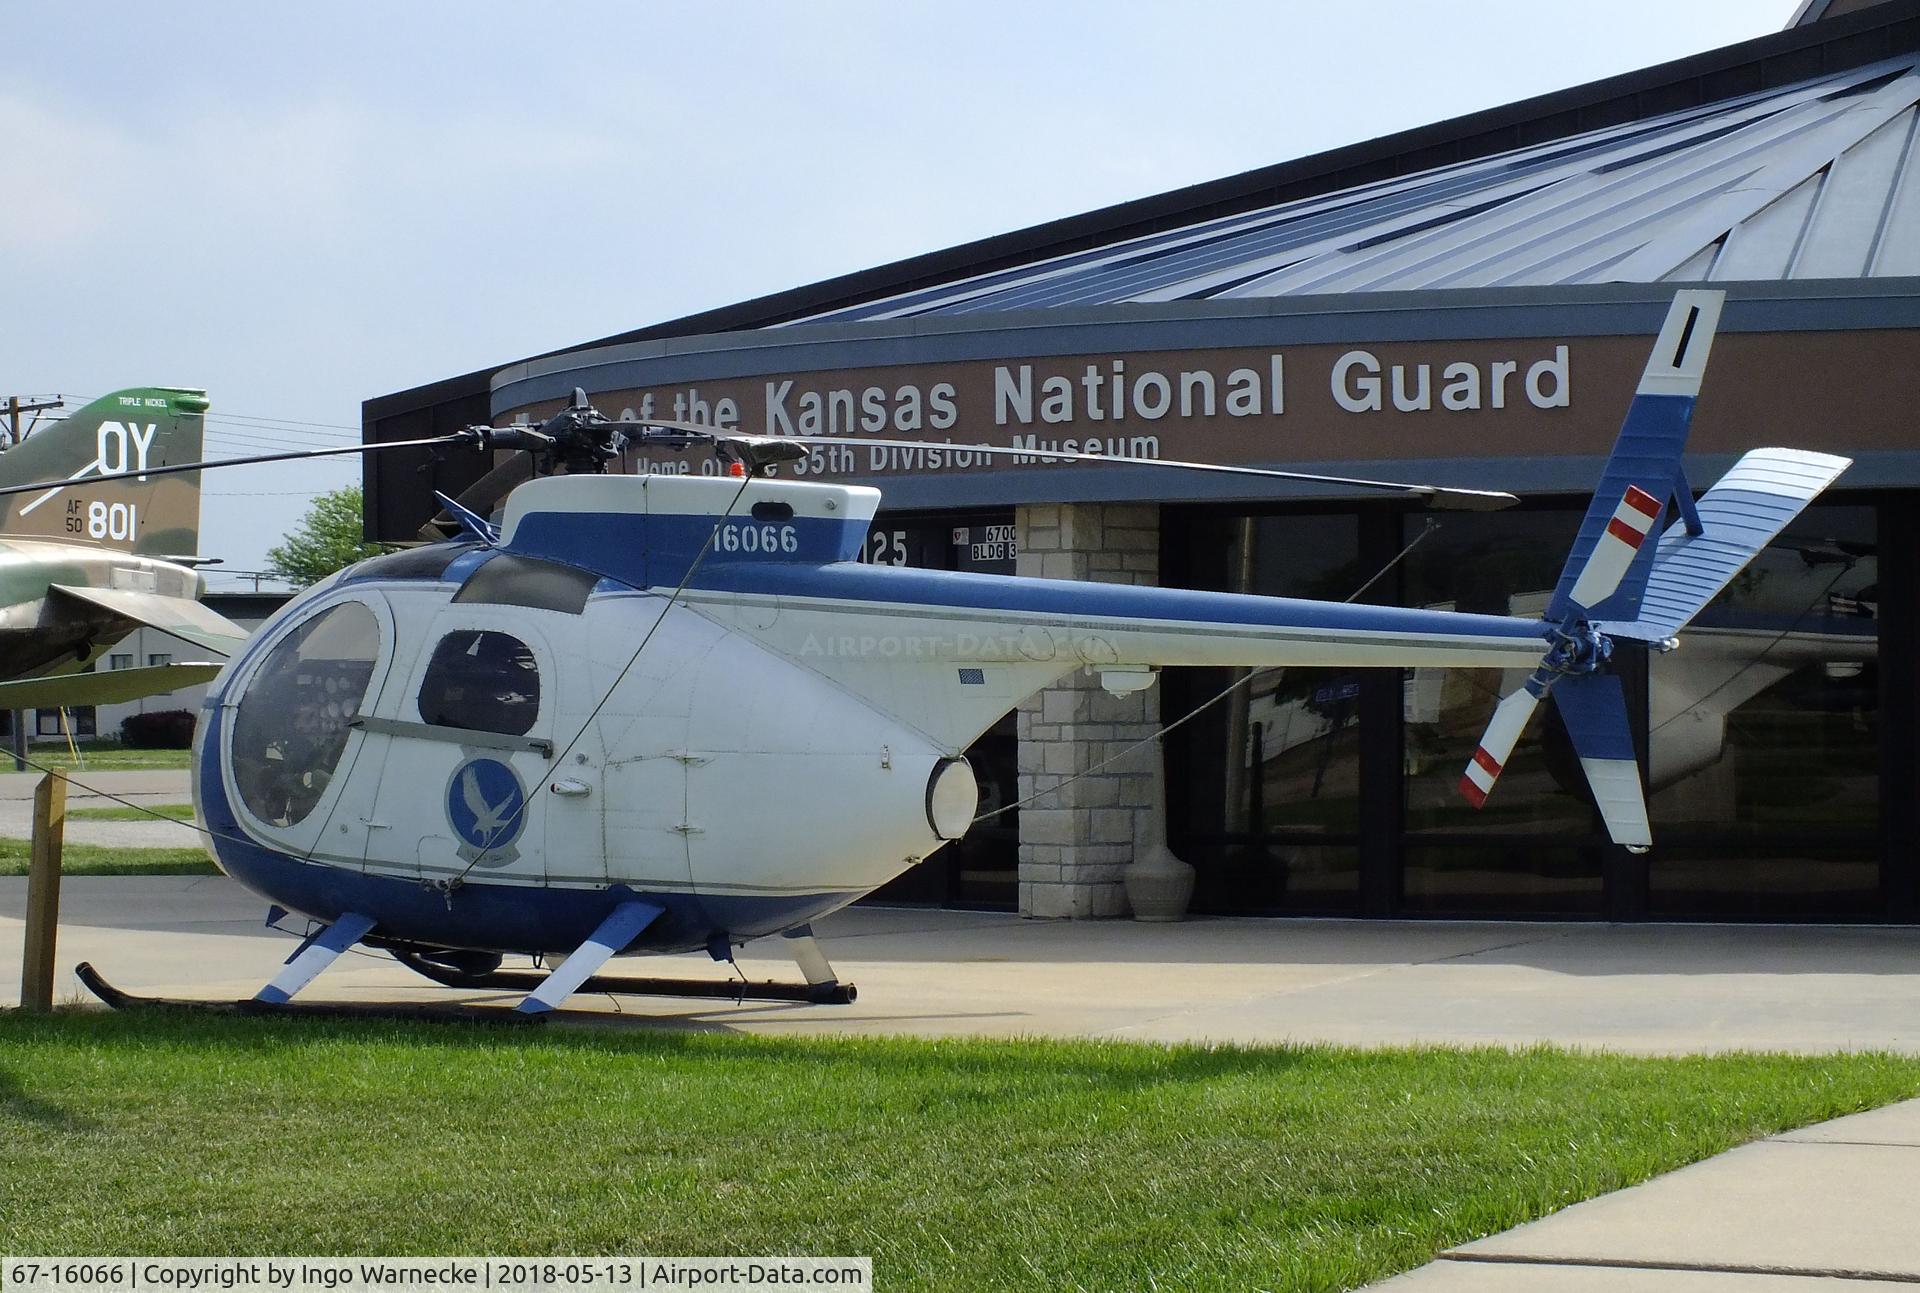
<point x="122" y="813"/>
<point x="105" y="757"/>
<point x="956" y="1165"/>
<point x="98" y="859"/>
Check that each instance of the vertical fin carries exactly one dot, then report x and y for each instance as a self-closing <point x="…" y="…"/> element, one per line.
<point x="1643" y="468"/>
<point x="144" y="426"/>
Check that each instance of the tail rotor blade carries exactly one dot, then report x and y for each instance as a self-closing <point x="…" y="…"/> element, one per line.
<point x="1496" y="744"/>
<point x="1619" y="544"/>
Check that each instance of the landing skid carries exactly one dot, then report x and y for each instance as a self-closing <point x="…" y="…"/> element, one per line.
<point x="818" y="994"/>
<point x="97" y="984"/>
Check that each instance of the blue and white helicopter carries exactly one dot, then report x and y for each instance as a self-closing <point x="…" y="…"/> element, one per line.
<point x="671" y="713"/>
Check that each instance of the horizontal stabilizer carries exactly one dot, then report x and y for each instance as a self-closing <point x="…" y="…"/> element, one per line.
<point x="1739" y="516"/>
<point x="108" y="688"/>
<point x="181" y="616"/>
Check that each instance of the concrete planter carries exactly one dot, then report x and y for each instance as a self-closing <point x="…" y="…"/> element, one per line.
<point x="1159" y="885"/>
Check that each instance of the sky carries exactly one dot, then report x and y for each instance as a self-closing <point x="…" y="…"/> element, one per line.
<point x="301" y="207"/>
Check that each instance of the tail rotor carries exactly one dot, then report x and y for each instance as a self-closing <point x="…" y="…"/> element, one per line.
<point x="1606" y="576"/>
<point x="1618" y="585"/>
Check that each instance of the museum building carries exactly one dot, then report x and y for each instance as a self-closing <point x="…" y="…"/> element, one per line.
<point x="1469" y="303"/>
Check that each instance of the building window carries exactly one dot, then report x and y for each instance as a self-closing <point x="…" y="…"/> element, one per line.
<point x="1281" y="833"/>
<point x="157" y="658"/>
<point x="483" y="682"/>
<point x="80" y="721"/>
<point x="120" y="660"/>
<point x="1537" y="845"/>
<point x="1764" y="734"/>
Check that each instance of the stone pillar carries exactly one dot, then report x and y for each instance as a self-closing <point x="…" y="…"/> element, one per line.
<point x="1073" y="843"/>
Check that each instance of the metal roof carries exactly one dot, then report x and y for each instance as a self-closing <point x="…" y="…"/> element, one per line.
<point x="1817" y="179"/>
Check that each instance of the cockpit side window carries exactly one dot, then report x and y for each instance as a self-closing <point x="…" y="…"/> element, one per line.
<point x="294" y="718"/>
<point x="481" y="681"/>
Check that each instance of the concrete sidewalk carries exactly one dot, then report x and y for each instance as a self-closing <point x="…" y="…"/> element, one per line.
<point x="1826" y="1207"/>
<point x="1646" y="989"/>
<point x="130" y="781"/>
<point x="148" y="787"/>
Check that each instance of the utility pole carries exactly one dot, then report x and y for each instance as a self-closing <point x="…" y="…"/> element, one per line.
<point x="15" y="407"/>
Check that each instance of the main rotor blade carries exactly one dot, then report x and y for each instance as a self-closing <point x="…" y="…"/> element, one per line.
<point x="1447" y="496"/>
<point x="211" y="463"/>
<point x="1444" y="496"/>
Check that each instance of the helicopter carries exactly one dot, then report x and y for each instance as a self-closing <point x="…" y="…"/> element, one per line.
<point x="668" y="713"/>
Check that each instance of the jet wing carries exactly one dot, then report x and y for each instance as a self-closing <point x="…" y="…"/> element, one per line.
<point x="107" y="688"/>
<point x="181" y="616"/>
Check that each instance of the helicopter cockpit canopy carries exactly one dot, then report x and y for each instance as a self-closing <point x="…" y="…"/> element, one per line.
<point x="293" y="720"/>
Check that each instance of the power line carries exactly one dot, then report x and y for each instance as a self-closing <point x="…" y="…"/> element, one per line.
<point x="255" y="421"/>
<point x="16" y="405"/>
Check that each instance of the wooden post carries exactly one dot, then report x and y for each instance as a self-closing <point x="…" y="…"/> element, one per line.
<point x="43" y="891"/>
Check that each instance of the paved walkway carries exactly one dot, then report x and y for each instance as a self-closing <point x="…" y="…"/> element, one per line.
<point x="1827" y="1208"/>
<point x="1830" y="1207"/>
<point x="148" y="787"/>
<point x="1647" y="989"/>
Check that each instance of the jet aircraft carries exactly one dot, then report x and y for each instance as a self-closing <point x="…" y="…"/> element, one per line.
<point x="82" y="564"/>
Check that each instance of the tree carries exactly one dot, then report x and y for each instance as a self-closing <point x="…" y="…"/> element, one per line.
<point x="327" y="539"/>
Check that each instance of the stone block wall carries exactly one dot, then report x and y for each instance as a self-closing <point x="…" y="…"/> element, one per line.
<point x="1074" y="843"/>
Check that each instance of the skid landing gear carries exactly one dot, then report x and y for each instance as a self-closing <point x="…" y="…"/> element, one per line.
<point x="457" y="969"/>
<point x="832" y="993"/>
<point x="97" y="984"/>
<point x="822" y="988"/>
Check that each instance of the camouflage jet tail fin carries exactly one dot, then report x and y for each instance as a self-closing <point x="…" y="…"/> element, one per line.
<point x="130" y="430"/>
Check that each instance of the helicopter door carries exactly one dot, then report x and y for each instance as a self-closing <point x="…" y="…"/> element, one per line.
<point x="469" y="756"/>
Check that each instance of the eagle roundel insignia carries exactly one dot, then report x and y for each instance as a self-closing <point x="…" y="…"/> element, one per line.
<point x="487" y="808"/>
